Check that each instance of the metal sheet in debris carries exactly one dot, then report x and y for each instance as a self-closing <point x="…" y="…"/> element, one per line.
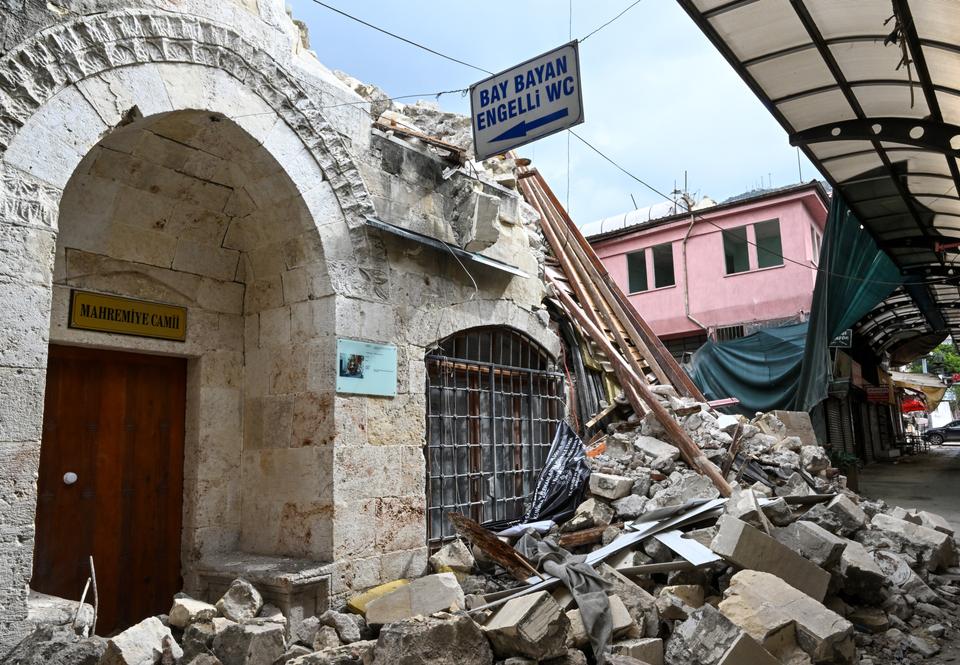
<point x="688" y="548"/>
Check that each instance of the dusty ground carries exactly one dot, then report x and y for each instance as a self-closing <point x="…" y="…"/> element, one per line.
<point x="929" y="481"/>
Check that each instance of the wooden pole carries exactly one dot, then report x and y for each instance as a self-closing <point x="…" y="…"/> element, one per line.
<point x="637" y="388"/>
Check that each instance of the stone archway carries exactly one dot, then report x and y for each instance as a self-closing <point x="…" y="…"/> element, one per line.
<point x="63" y="90"/>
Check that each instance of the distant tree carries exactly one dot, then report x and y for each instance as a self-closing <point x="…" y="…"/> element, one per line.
<point x="942" y="360"/>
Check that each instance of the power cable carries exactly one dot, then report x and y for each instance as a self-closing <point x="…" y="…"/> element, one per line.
<point x="435" y="95"/>
<point x="601" y="27"/>
<point x="717" y="226"/>
<point x="403" y="39"/>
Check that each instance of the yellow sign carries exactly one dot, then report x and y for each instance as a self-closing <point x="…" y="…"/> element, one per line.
<point x="125" y="316"/>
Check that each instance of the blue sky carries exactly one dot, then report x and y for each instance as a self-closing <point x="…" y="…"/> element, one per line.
<point x="658" y="98"/>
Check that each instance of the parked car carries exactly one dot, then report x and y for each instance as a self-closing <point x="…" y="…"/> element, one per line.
<point x="949" y="432"/>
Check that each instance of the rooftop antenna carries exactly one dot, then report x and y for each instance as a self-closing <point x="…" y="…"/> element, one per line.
<point x="799" y="170"/>
<point x="635" y="206"/>
<point x="770" y="180"/>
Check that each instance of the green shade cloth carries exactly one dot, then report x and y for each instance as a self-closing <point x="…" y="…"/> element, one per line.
<point x="789" y="367"/>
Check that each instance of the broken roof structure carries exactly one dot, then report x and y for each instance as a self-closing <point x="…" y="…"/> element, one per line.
<point x="870" y="93"/>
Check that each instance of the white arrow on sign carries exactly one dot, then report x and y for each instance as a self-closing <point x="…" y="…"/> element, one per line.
<point x="534" y="99"/>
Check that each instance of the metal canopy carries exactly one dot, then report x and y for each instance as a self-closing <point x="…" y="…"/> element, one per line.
<point x="870" y="91"/>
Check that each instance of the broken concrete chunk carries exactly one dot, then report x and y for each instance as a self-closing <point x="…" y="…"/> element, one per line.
<point x="441" y="640"/>
<point x="141" y="644"/>
<point x="306" y="632"/>
<point x="55" y="645"/>
<point x="814" y="459"/>
<point x="454" y="557"/>
<point x="704" y="638"/>
<point x="659" y="453"/>
<point x="934" y="521"/>
<point x="609" y="486"/>
<point x="346" y="624"/>
<point x="241" y="601"/>
<point x="532" y="625"/>
<point x="645" y="649"/>
<point x="186" y="610"/>
<point x="932" y="549"/>
<point x="814" y="542"/>
<point x="747" y="547"/>
<point x="623" y="624"/>
<point x="746" y="651"/>
<point x="774" y="613"/>
<point x="795" y="485"/>
<point x="293" y="652"/>
<point x="638" y="601"/>
<point x="426" y="595"/>
<point x="850" y="515"/>
<point x="678" y="601"/>
<point x="249" y="644"/>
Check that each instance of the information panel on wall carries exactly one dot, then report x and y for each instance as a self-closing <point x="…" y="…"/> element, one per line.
<point x="127" y="316"/>
<point x="364" y="368"/>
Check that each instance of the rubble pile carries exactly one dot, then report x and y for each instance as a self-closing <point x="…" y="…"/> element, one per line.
<point x="791" y="568"/>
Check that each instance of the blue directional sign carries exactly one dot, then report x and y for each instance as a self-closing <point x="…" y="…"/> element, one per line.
<point x="534" y="99"/>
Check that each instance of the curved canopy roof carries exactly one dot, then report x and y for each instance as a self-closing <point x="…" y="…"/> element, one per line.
<point x="870" y="91"/>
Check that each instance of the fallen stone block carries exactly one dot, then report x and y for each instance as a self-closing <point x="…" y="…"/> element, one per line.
<point x="241" y="601"/>
<point x="861" y="575"/>
<point x="934" y="521"/>
<point x="927" y="648"/>
<point x="746" y="651"/>
<point x="814" y="459"/>
<point x="441" y="640"/>
<point x="348" y="630"/>
<point x="204" y="659"/>
<point x="747" y="547"/>
<point x="630" y="507"/>
<point x="326" y="638"/>
<point x="641" y="605"/>
<point x="454" y="557"/>
<point x="44" y="609"/>
<point x="306" y="632"/>
<point x="623" y="624"/>
<point x="588" y="514"/>
<point x="774" y="613"/>
<point x="249" y="644"/>
<point x="931" y="549"/>
<point x="426" y="595"/>
<point x="55" y="645"/>
<point x="899" y="574"/>
<point x="645" y="649"/>
<point x="609" y="486"/>
<point x="659" y="453"/>
<point x="359" y="602"/>
<point x="678" y="601"/>
<point x="795" y="485"/>
<point x="572" y="657"/>
<point x="141" y="644"/>
<point x="186" y="610"/>
<point x="870" y="619"/>
<point x="358" y="653"/>
<point x="813" y="542"/>
<point x="294" y="651"/>
<point x="532" y="625"/>
<point x="850" y="515"/>
<point x="707" y="637"/>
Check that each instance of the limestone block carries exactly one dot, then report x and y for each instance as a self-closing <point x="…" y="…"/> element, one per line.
<point x="325" y="638"/>
<point x="241" y="601"/>
<point x="646" y="649"/>
<point x="249" y="644"/>
<point x="747" y="547"/>
<point x="532" y="625"/>
<point x="655" y="449"/>
<point x="746" y="651"/>
<point x="186" y="610"/>
<point x="453" y="557"/>
<point x="930" y="548"/>
<point x="677" y="601"/>
<point x="630" y="507"/>
<point x="851" y="516"/>
<point x="26" y="310"/>
<point x="141" y="644"/>
<point x="623" y="624"/>
<point x="610" y="486"/>
<point x="591" y="512"/>
<point x="770" y="610"/>
<point x="425" y="596"/>
<point x="442" y="640"/>
<point x="404" y="563"/>
<point x="814" y="459"/>
<point x="814" y="542"/>
<point x="115" y="91"/>
<point x="705" y="637"/>
<point x="348" y="630"/>
<point x="44" y="609"/>
<point x="639" y="602"/>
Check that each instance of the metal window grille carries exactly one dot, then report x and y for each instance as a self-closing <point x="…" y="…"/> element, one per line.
<point x="494" y="400"/>
<point x="727" y="333"/>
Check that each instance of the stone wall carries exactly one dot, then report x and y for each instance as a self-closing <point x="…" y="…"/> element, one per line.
<point x="193" y="153"/>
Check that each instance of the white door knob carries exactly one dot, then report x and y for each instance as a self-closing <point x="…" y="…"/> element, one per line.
<point x="69" y="478"/>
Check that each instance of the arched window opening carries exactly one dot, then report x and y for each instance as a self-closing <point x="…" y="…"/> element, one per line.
<point x="494" y="400"/>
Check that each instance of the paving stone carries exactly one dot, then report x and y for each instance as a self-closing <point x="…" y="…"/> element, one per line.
<point x="747" y="547"/>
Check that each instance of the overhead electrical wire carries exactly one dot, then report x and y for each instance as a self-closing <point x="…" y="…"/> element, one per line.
<point x="435" y="95"/>
<point x="403" y="39"/>
<point x="696" y="215"/>
<point x="601" y="27"/>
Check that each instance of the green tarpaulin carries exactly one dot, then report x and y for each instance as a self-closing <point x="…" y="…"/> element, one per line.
<point x="789" y="367"/>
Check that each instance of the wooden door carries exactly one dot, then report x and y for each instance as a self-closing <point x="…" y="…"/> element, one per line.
<point x="116" y="420"/>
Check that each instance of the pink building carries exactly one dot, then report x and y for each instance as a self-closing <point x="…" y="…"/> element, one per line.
<point x="720" y="270"/>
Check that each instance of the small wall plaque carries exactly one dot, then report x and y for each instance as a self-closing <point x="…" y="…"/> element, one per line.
<point x="126" y="316"/>
<point x="366" y="369"/>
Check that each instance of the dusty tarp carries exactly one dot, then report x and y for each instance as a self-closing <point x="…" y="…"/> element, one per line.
<point x="931" y="386"/>
<point x="562" y="480"/>
<point x="585" y="584"/>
